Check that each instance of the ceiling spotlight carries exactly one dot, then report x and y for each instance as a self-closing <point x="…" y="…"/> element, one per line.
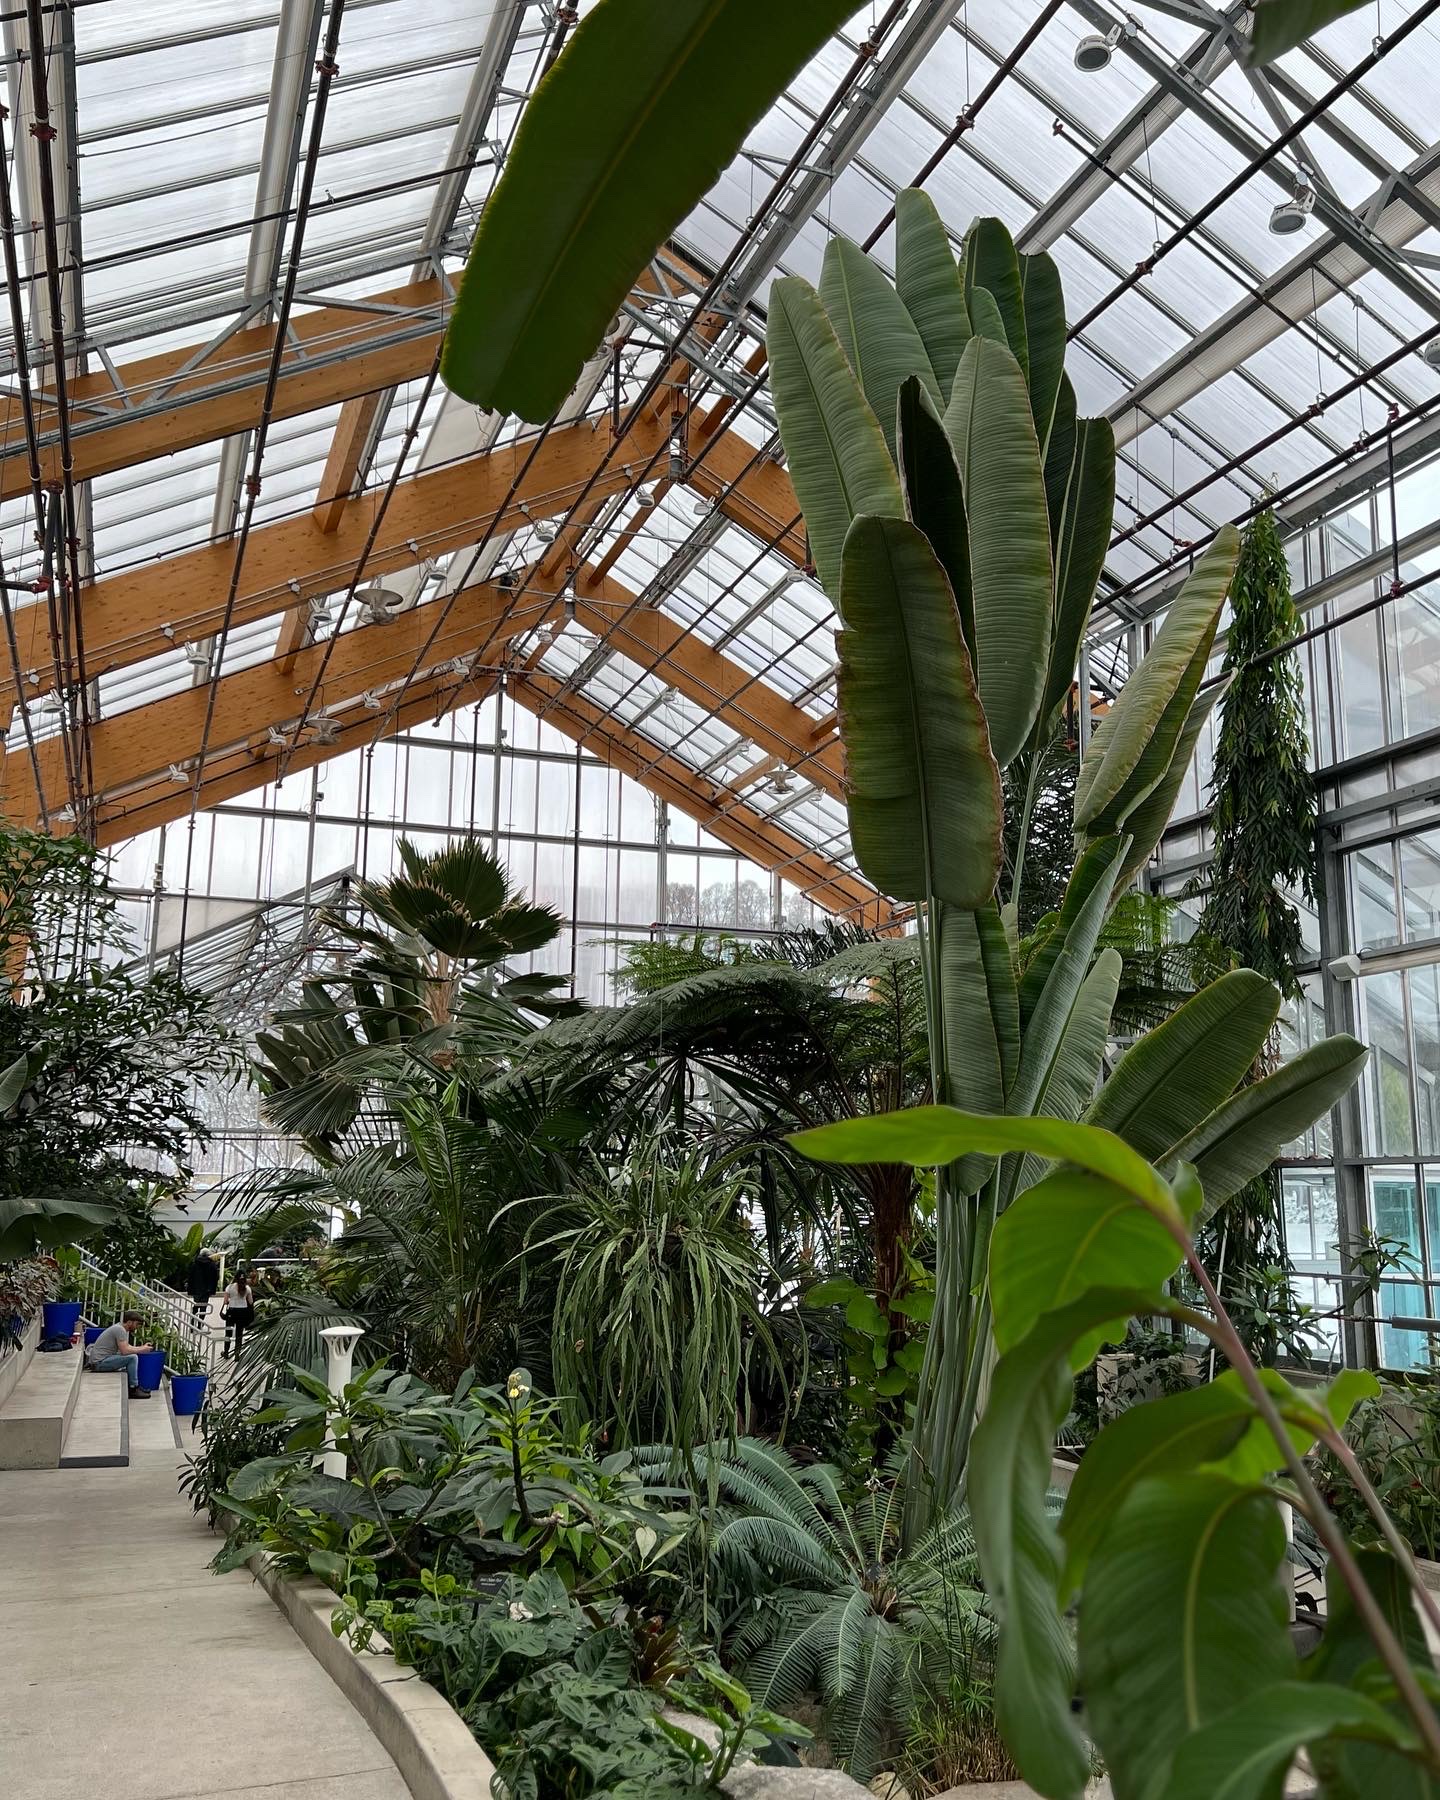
<point x="176" y="773"/>
<point x="545" y="530"/>
<point x="1289" y="216"/>
<point x="1431" y="353"/>
<point x="380" y="603"/>
<point x="1093" y="52"/>
<point x="45" y="707"/>
<point x="703" y="507"/>
<point x="324" y="729"/>
<point x="197" y="655"/>
<point x="645" y="496"/>
<point x="371" y="701"/>
<point x="65" y="815"/>
<point x="320" y="610"/>
<point x="279" y="734"/>
<point x="781" y="782"/>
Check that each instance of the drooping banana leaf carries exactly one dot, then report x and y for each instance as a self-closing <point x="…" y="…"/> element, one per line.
<point x="1044" y="303"/>
<point x="1282" y="24"/>
<point x="1095" y="867"/>
<point x="1145" y="824"/>
<point x="934" y="498"/>
<point x="876" y="332"/>
<point x="1011" y="578"/>
<point x="992" y="263"/>
<point x="928" y="280"/>
<point x="1171" y="1079"/>
<point x="836" y="450"/>
<point x="1247" y="1133"/>
<point x="1087" y="511"/>
<point x="924" y="791"/>
<point x="649" y="102"/>
<point x="1127" y="736"/>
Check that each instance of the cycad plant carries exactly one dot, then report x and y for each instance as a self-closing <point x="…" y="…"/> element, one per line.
<point x="827" y="1601"/>
<point x="959" y="511"/>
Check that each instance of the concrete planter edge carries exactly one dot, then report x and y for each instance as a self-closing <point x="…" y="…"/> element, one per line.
<point x="426" y="1739"/>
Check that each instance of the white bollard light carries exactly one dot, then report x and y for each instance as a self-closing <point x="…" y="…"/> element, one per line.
<point x="340" y="1342"/>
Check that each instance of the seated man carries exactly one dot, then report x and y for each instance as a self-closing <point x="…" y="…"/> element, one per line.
<point x="113" y="1350"/>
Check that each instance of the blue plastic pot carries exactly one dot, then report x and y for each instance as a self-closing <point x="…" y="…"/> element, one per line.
<point x="91" y="1333"/>
<point x="61" y="1318"/>
<point x="152" y="1368"/>
<point x="186" y="1393"/>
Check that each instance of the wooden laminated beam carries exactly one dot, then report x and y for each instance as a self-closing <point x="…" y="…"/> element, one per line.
<point x="198" y="393"/>
<point x="150" y="609"/>
<point x="346" y="454"/>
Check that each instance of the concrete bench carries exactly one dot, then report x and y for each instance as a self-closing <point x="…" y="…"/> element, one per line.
<point x="35" y="1419"/>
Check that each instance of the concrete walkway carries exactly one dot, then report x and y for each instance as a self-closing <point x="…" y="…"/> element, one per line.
<point x="131" y="1673"/>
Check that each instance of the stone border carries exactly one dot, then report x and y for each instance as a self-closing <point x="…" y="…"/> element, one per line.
<point x="427" y="1740"/>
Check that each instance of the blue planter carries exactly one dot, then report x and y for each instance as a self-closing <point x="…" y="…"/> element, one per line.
<point x="91" y="1333"/>
<point x="152" y="1368"/>
<point x="186" y="1393"/>
<point x="61" y="1318"/>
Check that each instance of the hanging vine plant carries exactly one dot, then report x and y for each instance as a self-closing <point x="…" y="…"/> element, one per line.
<point x="1264" y="799"/>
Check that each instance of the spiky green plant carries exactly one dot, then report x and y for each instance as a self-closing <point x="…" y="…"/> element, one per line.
<point x="1265" y="809"/>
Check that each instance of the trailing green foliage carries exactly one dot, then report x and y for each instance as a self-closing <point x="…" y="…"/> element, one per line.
<point x="1265" y="809"/>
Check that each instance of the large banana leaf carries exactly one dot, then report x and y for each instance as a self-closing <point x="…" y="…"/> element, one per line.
<point x="991" y="263"/>
<point x="1044" y="303"/>
<point x="934" y="498"/>
<point x="29" y="1226"/>
<point x="649" y="102"/>
<point x="924" y="791"/>
<point x="1047" y="1023"/>
<point x="981" y="1019"/>
<point x="1081" y="538"/>
<point x="1011" y="578"/>
<point x="929" y="281"/>
<point x="1245" y="1135"/>
<point x="1095" y="867"/>
<point x="1081" y="1054"/>
<point x="1059" y="454"/>
<point x="1183" y="1617"/>
<point x="985" y="319"/>
<point x="1145" y="824"/>
<point x="1175" y="1076"/>
<point x="875" y="331"/>
<point x="1134" y="742"/>
<point x="838" y="458"/>
<point x="1282" y="24"/>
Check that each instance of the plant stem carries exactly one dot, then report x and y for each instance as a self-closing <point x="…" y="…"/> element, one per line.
<point x="1402" y="1551"/>
<point x="1036" y="758"/>
<point x="1327" y="1528"/>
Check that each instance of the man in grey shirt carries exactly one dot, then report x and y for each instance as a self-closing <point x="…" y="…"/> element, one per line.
<point x="114" y="1350"/>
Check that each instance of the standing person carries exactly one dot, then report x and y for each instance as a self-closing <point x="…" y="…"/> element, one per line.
<point x="238" y="1310"/>
<point x="113" y="1349"/>
<point x="201" y="1280"/>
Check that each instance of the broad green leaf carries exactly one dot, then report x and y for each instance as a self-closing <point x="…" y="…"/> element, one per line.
<point x="30" y="1225"/>
<point x="991" y="263"/>
<point x="1159" y="757"/>
<point x="12" y="1082"/>
<point x="1355" y="1771"/>
<point x="1044" y="1029"/>
<point x="876" y="333"/>
<point x="927" y="1137"/>
<point x="981" y="1019"/>
<point x="1148" y="820"/>
<point x="864" y="1315"/>
<point x="1177" y="1074"/>
<point x="261" y="1476"/>
<point x="985" y="317"/>
<point x="1282" y="24"/>
<point x="1246" y="1133"/>
<point x="839" y="1290"/>
<point x="1044" y="302"/>
<point x="833" y="442"/>
<point x="1082" y="536"/>
<point x="928" y="280"/>
<point x="923" y="789"/>
<point x="1183" y="1617"/>
<point x="1072" y="1232"/>
<point x="645" y="108"/>
<point x="1246" y="1752"/>
<point x="934" y="499"/>
<point x="1008" y="1475"/>
<point x="1159" y="1437"/>
<point x="1307" y="1415"/>
<point x="1011" y="578"/>
<point x="1096" y="868"/>
<point x="1081" y="1053"/>
<point x="1059" y="454"/>
<point x="1127" y="755"/>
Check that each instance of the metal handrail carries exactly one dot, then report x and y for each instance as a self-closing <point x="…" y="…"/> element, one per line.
<point x="104" y="1297"/>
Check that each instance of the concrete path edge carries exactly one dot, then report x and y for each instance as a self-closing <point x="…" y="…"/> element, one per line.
<point x="426" y="1739"/>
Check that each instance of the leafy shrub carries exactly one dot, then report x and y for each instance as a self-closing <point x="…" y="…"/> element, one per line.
<point x="1396" y="1440"/>
<point x="231" y="1435"/>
